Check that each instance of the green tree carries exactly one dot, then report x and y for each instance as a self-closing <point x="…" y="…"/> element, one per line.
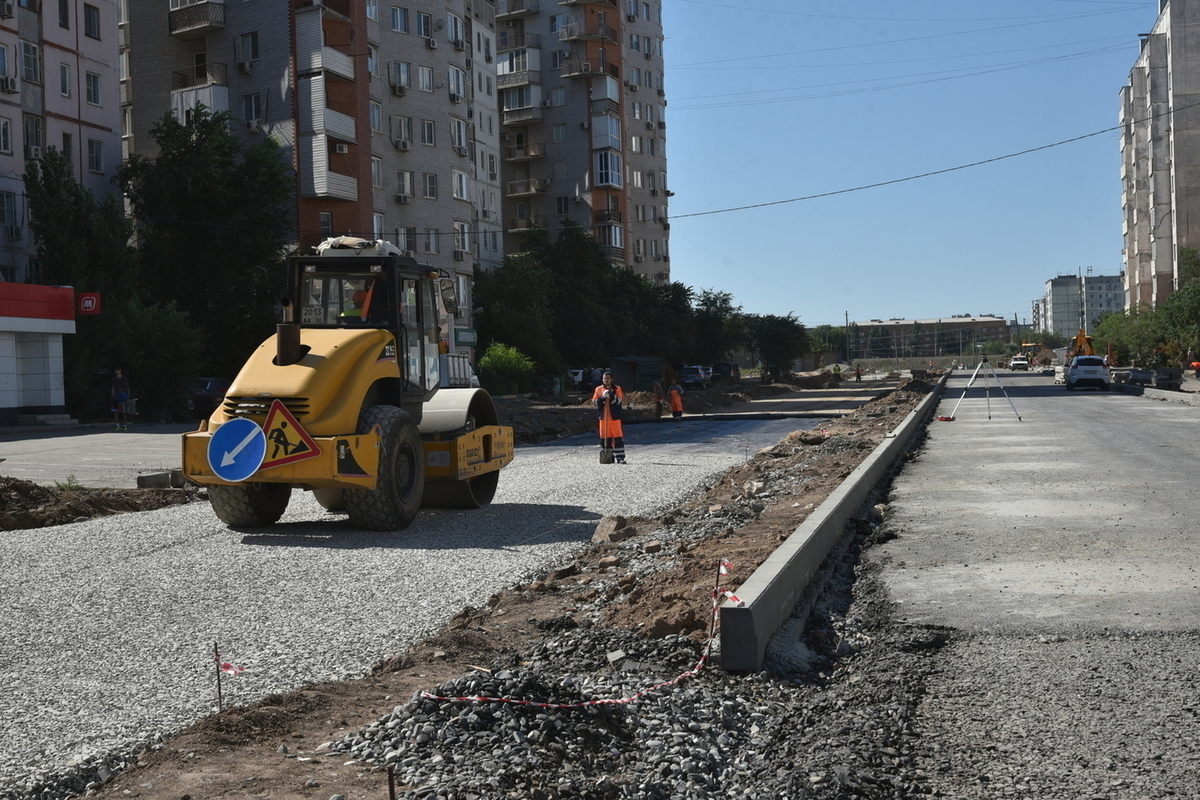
<point x="213" y="221"/>
<point x="719" y="326"/>
<point x="777" y="343"/>
<point x="516" y="308"/>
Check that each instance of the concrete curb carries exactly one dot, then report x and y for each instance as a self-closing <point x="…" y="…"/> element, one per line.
<point x="1187" y="398"/>
<point x="772" y="591"/>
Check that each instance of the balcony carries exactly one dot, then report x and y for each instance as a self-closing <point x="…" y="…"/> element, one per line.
<point x="575" y="68"/>
<point x="512" y="9"/>
<point x="522" y="78"/>
<point x="523" y="225"/>
<point x="589" y="30"/>
<point x="605" y="215"/>
<point x="196" y="21"/>
<point x="610" y="3"/>
<point x="214" y="74"/>
<point x="526" y="187"/>
<point x="526" y="153"/>
<point x="522" y="116"/>
<point x="507" y="40"/>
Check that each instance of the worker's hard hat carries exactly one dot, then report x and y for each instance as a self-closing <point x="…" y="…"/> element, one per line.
<point x="359" y="296"/>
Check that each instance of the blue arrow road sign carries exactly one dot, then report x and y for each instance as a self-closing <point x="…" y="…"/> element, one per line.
<point x="236" y="450"/>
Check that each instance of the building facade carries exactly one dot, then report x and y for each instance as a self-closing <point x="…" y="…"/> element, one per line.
<point x="1160" y="154"/>
<point x="956" y="335"/>
<point x="584" y="124"/>
<point x="1071" y="302"/>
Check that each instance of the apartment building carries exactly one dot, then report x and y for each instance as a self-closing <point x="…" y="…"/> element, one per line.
<point x="58" y="88"/>
<point x="1071" y="302"/>
<point x="1160" y="155"/>
<point x="583" y="108"/>
<point x="957" y="335"/>
<point x="386" y="112"/>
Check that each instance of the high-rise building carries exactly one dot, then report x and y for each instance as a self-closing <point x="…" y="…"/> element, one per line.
<point x="1071" y="302"/>
<point x="1160" y="155"/>
<point x="58" y="89"/>
<point x="583" y="108"/>
<point x="387" y="113"/>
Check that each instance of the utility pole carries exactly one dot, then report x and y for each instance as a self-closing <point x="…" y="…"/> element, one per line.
<point x="846" y="331"/>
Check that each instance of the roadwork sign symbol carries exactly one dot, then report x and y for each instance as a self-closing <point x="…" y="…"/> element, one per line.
<point x="287" y="442"/>
<point x="236" y="450"/>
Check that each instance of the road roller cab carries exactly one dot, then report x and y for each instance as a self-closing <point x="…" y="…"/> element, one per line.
<point x="348" y="400"/>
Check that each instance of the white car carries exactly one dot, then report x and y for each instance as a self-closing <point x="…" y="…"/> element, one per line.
<point x="1018" y="362"/>
<point x="1087" y="371"/>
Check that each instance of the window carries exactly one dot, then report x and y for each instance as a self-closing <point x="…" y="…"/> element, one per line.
<point x="557" y="57"/>
<point x="31" y="65"/>
<point x="428" y="132"/>
<point x="514" y="61"/>
<point x="3" y="60"/>
<point x="558" y="96"/>
<point x="95" y="155"/>
<point x="458" y="81"/>
<point x="562" y="206"/>
<point x="6" y="144"/>
<point x="91" y="21"/>
<point x="458" y="133"/>
<point x="33" y="130"/>
<point x="123" y="65"/>
<point x="515" y="98"/>
<point x="401" y="73"/>
<point x="429" y="186"/>
<point x="556" y="21"/>
<point x="462" y="185"/>
<point x="251" y="107"/>
<point x="373" y="13"/>
<point x="376" y="116"/>
<point x="373" y="60"/>
<point x="404" y="128"/>
<point x="637" y="178"/>
<point x="64" y="14"/>
<point x="608" y="169"/>
<point x="8" y="209"/>
<point x="454" y="28"/>
<point x="425" y="79"/>
<point x="377" y="224"/>
<point x="559" y="132"/>
<point x="424" y="24"/>
<point x="377" y="172"/>
<point x="64" y="80"/>
<point x="404" y="184"/>
<point x="635" y="144"/>
<point x="462" y="236"/>
<point x="635" y="42"/>
<point x="249" y="48"/>
<point x="406" y="238"/>
<point x="400" y="19"/>
<point x="432" y="245"/>
<point x="326" y="223"/>
<point x="92" y="81"/>
<point x="68" y="149"/>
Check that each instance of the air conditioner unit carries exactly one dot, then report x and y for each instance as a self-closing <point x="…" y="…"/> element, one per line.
<point x="431" y="43"/>
<point x="504" y="137"/>
<point x="649" y="126"/>
<point x="658" y="258"/>
<point x="488" y="58"/>
<point x="8" y="85"/>
<point x="654" y="192"/>
<point x="649" y="55"/>
<point x="639" y="259"/>
<point x="341" y="149"/>
<point x="633" y="87"/>
<point x="402" y="199"/>
<point x="662" y="123"/>
<point x="583" y="126"/>
<point x="399" y="91"/>
<point x="455" y="98"/>
<point x="402" y="144"/>
<point x="492" y="176"/>
<point x="32" y="152"/>
<point x="252" y="126"/>
<point x="631" y="17"/>
<point x="462" y="151"/>
<point x="662" y="92"/>
<point x="546" y="103"/>
<point x="245" y="67"/>
<point x="485" y="213"/>
<point x="459" y="45"/>
<point x="6" y="11"/>
<point x="459" y="255"/>
<point x="508" y="23"/>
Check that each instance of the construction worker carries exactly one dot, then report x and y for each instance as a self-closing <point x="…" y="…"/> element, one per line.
<point x="607" y="399"/>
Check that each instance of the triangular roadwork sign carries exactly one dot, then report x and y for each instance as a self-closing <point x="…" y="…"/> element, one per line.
<point x="287" y="442"/>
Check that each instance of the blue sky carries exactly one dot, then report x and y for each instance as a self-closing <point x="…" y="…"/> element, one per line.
<point x="770" y="101"/>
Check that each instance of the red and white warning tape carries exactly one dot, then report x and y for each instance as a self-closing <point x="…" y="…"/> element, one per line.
<point x="718" y="594"/>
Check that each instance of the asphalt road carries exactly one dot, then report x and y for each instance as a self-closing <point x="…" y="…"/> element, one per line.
<point x="1081" y="514"/>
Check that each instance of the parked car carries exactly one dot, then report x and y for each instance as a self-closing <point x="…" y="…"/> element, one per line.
<point x="726" y="372"/>
<point x="693" y="377"/>
<point x="1087" y="371"/>
<point x="1018" y="362"/>
<point x="204" y="395"/>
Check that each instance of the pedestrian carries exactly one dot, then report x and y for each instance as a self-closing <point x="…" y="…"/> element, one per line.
<point x="837" y="374"/>
<point x="607" y="398"/>
<point x="857" y="373"/>
<point x="120" y="399"/>
<point x="660" y="397"/>
<point x="676" y="393"/>
<point x="596" y="378"/>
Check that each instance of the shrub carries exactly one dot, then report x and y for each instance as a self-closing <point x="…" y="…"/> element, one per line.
<point x="505" y="369"/>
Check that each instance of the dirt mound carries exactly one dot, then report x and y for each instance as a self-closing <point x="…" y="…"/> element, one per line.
<point x="24" y="504"/>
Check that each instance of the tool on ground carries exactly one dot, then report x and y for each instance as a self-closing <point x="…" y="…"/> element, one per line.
<point x="986" y="391"/>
